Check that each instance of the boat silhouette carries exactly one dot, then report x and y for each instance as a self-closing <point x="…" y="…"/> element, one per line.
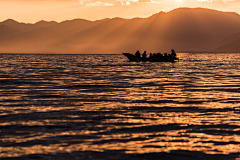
<point x="134" y="58"/>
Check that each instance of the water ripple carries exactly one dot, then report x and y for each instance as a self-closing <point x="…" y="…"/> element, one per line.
<point x="104" y="107"/>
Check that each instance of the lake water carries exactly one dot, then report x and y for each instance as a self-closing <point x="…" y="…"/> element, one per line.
<point x="105" y="107"/>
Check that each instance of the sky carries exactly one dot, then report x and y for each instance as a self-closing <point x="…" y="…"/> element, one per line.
<point x="31" y="11"/>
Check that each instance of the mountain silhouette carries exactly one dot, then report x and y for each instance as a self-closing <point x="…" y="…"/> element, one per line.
<point x="184" y="29"/>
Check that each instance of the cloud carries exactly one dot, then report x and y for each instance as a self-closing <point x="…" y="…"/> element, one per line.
<point x="145" y="1"/>
<point x="163" y="2"/>
<point x="98" y="3"/>
<point x="83" y="2"/>
<point x="211" y="1"/>
<point x="94" y="3"/>
<point x="149" y="1"/>
<point x="125" y="2"/>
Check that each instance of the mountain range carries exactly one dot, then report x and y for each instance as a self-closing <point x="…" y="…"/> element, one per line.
<point x="182" y="29"/>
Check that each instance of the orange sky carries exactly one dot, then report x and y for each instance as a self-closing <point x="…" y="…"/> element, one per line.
<point x="31" y="11"/>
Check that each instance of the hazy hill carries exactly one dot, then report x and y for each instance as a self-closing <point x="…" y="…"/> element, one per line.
<point x="231" y="47"/>
<point x="230" y="44"/>
<point x="22" y="27"/>
<point x="6" y="32"/>
<point x="184" y="29"/>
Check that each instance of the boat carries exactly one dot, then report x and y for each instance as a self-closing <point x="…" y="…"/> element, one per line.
<point x="134" y="58"/>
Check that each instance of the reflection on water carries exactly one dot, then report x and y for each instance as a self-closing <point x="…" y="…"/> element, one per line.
<point x="86" y="105"/>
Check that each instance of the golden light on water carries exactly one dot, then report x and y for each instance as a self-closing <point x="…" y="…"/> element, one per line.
<point x="129" y="108"/>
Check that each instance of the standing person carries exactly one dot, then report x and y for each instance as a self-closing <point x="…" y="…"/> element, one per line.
<point x="144" y="55"/>
<point x="173" y="54"/>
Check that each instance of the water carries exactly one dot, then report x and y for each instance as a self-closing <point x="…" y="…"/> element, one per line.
<point x="104" y="107"/>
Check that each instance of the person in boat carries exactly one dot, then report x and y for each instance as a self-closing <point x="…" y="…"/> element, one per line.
<point x="144" y="55"/>
<point x="159" y="55"/>
<point x="173" y="54"/>
<point x="154" y="55"/>
<point x="150" y="56"/>
<point x="165" y="55"/>
<point x="137" y="54"/>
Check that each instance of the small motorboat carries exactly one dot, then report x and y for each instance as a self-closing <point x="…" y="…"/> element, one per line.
<point x="134" y="58"/>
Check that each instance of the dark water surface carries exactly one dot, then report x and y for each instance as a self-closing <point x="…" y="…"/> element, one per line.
<point x="104" y="107"/>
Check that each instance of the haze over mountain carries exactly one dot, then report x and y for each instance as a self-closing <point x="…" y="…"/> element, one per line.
<point x="184" y="29"/>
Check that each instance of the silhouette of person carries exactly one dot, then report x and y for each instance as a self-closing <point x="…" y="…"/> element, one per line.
<point x="173" y="54"/>
<point x="159" y="55"/>
<point x="137" y="54"/>
<point x="144" y="55"/>
<point x="154" y="55"/>
<point x="150" y="56"/>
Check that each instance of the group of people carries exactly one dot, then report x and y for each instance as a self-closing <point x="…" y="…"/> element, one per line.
<point x="156" y="55"/>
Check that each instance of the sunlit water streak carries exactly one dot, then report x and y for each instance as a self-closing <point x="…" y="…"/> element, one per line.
<point x="53" y="104"/>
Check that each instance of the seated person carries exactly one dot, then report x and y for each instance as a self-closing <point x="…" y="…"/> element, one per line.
<point x="150" y="56"/>
<point x="137" y="54"/>
<point x="159" y="55"/>
<point x="154" y="55"/>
